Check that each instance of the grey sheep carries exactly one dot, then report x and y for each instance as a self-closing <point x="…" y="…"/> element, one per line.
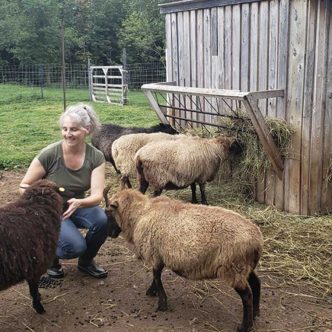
<point x="125" y="148"/>
<point x="29" y="231"/>
<point x="104" y="137"/>
<point x="195" y="241"/>
<point x="182" y="163"/>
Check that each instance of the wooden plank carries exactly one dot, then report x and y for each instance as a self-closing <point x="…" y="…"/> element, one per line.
<point x="169" y="63"/>
<point x="282" y="84"/>
<point x="193" y="58"/>
<point x="175" y="58"/>
<point x="297" y="38"/>
<point x="214" y="56"/>
<point x="178" y="6"/>
<point x="244" y="63"/>
<point x="236" y="46"/>
<point x="221" y="56"/>
<point x="186" y="61"/>
<point x="228" y="47"/>
<point x="317" y="128"/>
<point x="155" y="106"/>
<point x="263" y="40"/>
<point x="253" y="66"/>
<point x="181" y="50"/>
<point x="207" y="59"/>
<point x="196" y="91"/>
<point x="272" y="84"/>
<point x="308" y="106"/>
<point x="265" y="137"/>
<point x="200" y="59"/>
<point x="214" y="32"/>
<point x="327" y="185"/>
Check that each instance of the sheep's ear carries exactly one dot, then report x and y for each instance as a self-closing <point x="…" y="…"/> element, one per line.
<point x="114" y="205"/>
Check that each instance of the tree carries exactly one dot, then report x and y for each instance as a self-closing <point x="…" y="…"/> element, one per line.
<point x="142" y="32"/>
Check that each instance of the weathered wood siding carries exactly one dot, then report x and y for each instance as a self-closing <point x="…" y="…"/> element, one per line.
<point x="259" y="45"/>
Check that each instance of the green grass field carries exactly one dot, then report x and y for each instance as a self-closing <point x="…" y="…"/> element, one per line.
<point x="29" y="122"/>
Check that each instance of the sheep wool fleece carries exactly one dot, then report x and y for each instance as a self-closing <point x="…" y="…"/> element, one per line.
<point x="195" y="241"/>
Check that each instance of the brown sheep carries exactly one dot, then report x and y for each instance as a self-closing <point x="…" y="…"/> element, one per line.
<point x="195" y="241"/>
<point x="29" y="231"/>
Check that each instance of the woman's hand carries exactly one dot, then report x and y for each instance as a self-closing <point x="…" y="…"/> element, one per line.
<point x="73" y="205"/>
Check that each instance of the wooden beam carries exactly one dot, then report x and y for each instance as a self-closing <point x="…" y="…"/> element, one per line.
<point x="264" y="135"/>
<point x="231" y="94"/>
<point x="155" y="106"/>
<point x="180" y="6"/>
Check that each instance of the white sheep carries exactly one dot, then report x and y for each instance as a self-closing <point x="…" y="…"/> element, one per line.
<point x="195" y="241"/>
<point x="125" y="148"/>
<point x="182" y="163"/>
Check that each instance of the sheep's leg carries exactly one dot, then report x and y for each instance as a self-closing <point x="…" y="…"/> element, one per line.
<point x="255" y="285"/>
<point x="158" y="286"/>
<point x="33" y="288"/>
<point x="113" y="164"/>
<point x="128" y="182"/>
<point x="157" y="192"/>
<point x="152" y="290"/>
<point x="193" y="193"/>
<point x="247" y="302"/>
<point x="125" y="182"/>
<point x="143" y="184"/>
<point x="203" y="193"/>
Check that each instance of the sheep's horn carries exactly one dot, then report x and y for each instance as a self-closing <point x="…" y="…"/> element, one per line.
<point x="105" y="192"/>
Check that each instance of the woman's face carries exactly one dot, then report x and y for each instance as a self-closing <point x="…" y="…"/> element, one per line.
<point x="72" y="133"/>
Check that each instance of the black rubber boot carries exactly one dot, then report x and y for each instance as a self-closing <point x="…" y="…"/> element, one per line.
<point x="90" y="267"/>
<point x="55" y="270"/>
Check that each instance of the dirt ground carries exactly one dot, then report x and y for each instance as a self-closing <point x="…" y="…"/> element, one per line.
<point x="118" y="303"/>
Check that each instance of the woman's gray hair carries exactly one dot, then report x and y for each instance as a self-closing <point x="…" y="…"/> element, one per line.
<point x="83" y="115"/>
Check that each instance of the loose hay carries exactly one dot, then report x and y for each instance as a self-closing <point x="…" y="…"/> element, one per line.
<point x="296" y="248"/>
<point x="253" y="162"/>
<point x="244" y="169"/>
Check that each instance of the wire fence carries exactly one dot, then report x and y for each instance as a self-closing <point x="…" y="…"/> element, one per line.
<point x="77" y="75"/>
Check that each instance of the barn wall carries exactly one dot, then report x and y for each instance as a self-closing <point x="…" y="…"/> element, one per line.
<point x="275" y="44"/>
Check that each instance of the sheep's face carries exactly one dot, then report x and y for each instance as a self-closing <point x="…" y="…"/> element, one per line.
<point x="42" y="191"/>
<point x="114" y="229"/>
<point x="42" y="188"/>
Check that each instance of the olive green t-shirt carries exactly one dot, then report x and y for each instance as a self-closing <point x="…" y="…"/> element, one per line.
<point x="76" y="181"/>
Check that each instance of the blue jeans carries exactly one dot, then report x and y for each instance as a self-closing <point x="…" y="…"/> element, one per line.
<point x="72" y="244"/>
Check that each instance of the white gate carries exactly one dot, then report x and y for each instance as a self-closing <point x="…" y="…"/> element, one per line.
<point x="107" y="84"/>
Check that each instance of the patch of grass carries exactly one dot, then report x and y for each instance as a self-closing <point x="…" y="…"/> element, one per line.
<point x="28" y="122"/>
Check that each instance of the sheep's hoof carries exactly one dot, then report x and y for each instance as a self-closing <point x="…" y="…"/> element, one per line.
<point x="244" y="329"/>
<point x="256" y="313"/>
<point x="151" y="292"/>
<point x="162" y="307"/>
<point x="39" y="308"/>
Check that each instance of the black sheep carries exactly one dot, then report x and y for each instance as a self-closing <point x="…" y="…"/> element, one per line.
<point x="103" y="138"/>
<point x="29" y="231"/>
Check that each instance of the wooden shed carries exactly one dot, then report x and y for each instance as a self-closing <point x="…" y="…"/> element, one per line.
<point x="251" y="45"/>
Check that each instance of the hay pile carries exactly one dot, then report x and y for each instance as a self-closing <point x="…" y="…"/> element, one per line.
<point x="253" y="162"/>
<point x="243" y="170"/>
<point x="297" y="249"/>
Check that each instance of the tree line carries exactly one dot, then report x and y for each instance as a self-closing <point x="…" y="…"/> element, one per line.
<point x="31" y="31"/>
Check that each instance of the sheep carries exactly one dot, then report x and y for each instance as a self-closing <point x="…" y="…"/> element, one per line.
<point x="104" y="137"/>
<point x="177" y="165"/>
<point x="194" y="241"/>
<point x="125" y="148"/>
<point x="29" y="230"/>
